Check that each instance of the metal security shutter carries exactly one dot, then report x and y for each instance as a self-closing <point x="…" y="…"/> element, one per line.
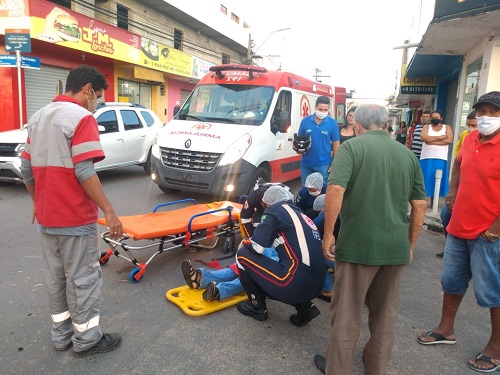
<point x="41" y="86"/>
<point x="451" y="103"/>
<point x="184" y="96"/>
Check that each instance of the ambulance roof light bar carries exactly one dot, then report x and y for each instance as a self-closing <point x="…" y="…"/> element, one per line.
<point x="247" y="68"/>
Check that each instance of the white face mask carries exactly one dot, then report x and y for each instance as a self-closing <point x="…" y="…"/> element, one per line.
<point x="487" y="125"/>
<point x="321" y="115"/>
<point x="92" y="104"/>
<point x="315" y="193"/>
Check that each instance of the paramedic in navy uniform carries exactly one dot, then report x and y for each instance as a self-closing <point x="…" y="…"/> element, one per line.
<point x="325" y="140"/>
<point x="253" y="208"/>
<point x="299" y="274"/>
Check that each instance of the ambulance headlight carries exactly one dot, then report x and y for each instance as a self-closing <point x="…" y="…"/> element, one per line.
<point x="236" y="151"/>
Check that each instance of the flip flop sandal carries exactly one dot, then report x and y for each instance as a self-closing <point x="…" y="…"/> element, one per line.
<point x="439" y="339"/>
<point x="191" y="276"/>
<point x="481" y="357"/>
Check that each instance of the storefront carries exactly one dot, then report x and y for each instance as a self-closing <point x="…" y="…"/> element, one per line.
<point x="461" y="48"/>
<point x="138" y="70"/>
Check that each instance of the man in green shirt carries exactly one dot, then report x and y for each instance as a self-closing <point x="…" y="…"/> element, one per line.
<point x="371" y="183"/>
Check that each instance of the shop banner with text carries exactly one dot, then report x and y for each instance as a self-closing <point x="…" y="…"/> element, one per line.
<point x="14" y="14"/>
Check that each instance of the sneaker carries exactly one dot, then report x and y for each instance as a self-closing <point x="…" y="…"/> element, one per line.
<point x="107" y="343"/>
<point x="440" y="255"/>
<point x="254" y="311"/>
<point x="320" y="362"/>
<point x="304" y="315"/>
<point x="211" y="293"/>
<point x="64" y="348"/>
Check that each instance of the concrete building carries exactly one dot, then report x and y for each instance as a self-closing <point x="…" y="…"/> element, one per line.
<point x="152" y="52"/>
<point x="456" y="61"/>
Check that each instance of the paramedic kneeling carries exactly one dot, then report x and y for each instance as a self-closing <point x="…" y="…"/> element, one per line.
<point x="298" y="275"/>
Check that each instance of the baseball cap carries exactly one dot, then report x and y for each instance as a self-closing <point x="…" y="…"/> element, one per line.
<point x="492" y="98"/>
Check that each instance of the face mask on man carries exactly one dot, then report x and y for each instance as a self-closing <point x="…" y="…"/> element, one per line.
<point x="92" y="104"/>
<point x="435" y="121"/>
<point x="315" y="193"/>
<point x="321" y="115"/>
<point x="487" y="125"/>
<point x="425" y="121"/>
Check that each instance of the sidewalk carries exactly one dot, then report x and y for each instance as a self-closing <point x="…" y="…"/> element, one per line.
<point x="433" y="220"/>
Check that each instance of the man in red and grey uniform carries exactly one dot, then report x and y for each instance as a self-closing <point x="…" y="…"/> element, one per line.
<point x="298" y="275"/>
<point x="58" y="171"/>
<point x="253" y="209"/>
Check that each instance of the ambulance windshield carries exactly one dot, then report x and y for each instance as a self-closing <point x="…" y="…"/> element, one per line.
<point x="232" y="104"/>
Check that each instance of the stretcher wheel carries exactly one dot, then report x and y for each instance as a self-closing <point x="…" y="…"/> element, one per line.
<point x="133" y="273"/>
<point x="105" y="255"/>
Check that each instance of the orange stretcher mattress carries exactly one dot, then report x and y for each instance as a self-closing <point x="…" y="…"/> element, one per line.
<point x="160" y="224"/>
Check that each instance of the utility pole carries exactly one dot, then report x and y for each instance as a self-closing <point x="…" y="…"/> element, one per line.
<point x="316" y="75"/>
<point x="249" y="51"/>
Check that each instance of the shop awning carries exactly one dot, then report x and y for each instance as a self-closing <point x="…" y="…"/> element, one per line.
<point x="439" y="66"/>
<point x="148" y="74"/>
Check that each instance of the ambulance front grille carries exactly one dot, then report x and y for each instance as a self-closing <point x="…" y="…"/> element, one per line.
<point x="189" y="160"/>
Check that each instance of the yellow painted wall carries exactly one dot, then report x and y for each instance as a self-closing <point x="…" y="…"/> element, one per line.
<point x="159" y="103"/>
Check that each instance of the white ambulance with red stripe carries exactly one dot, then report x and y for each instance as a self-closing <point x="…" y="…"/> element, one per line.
<point x="236" y="128"/>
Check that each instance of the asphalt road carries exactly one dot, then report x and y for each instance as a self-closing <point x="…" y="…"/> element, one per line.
<point x="158" y="338"/>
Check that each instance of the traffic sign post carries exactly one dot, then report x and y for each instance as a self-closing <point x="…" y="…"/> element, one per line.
<point x="17" y="40"/>
<point x="20" y="87"/>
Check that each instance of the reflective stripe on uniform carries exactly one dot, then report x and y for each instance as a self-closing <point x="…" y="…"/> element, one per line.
<point x="304" y="250"/>
<point x="61" y="317"/>
<point x="94" y="322"/>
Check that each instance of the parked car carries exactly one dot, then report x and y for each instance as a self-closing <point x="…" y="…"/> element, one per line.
<point x="127" y="134"/>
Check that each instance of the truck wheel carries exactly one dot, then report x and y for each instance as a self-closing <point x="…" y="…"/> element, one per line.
<point x="147" y="164"/>
<point x="169" y="190"/>
<point x="261" y="175"/>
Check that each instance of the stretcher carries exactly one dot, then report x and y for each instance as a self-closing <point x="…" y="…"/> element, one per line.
<point x="166" y="230"/>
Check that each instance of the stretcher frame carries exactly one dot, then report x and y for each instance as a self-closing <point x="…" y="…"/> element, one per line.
<point x="190" y="238"/>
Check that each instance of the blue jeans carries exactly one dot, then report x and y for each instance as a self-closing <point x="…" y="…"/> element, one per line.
<point x="445" y="217"/>
<point x="478" y="260"/>
<point x="227" y="281"/>
<point x="306" y="170"/>
<point x="328" y="280"/>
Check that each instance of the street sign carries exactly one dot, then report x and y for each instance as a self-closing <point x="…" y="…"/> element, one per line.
<point x="8" y="61"/>
<point x="28" y="62"/>
<point x="17" y="39"/>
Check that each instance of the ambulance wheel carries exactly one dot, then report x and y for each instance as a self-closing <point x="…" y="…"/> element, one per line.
<point x="133" y="273"/>
<point x="102" y="260"/>
<point x="261" y="175"/>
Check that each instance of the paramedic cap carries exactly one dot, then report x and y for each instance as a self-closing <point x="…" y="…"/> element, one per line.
<point x="319" y="203"/>
<point x="492" y="98"/>
<point x="276" y="194"/>
<point x="314" y="180"/>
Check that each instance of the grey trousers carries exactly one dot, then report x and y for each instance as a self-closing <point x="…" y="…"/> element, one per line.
<point x="73" y="282"/>
<point x="357" y="285"/>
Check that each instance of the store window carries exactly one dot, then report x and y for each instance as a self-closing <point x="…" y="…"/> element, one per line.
<point x="121" y="17"/>
<point x="178" y="39"/>
<point x="63" y="3"/>
<point x="134" y="92"/>
<point x="471" y="90"/>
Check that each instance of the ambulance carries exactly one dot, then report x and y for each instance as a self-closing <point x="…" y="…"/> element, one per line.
<point x="236" y="129"/>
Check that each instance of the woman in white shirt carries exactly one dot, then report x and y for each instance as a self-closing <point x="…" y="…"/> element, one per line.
<point x="436" y="138"/>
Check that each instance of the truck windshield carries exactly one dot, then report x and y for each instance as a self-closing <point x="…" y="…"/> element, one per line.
<point x="232" y="104"/>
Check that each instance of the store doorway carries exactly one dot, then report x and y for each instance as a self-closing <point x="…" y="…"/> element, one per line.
<point x="134" y="92"/>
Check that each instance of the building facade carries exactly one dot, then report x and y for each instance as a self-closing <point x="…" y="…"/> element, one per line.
<point x="457" y="60"/>
<point x="152" y="52"/>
